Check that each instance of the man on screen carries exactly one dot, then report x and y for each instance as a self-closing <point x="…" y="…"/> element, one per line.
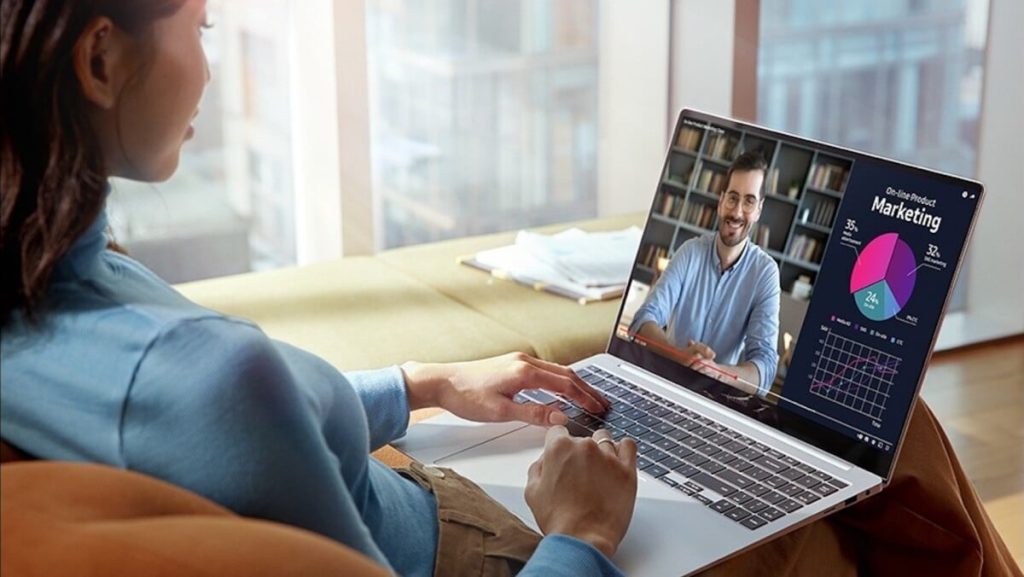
<point x="716" y="306"/>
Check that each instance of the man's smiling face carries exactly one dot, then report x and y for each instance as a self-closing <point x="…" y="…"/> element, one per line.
<point x="740" y="206"/>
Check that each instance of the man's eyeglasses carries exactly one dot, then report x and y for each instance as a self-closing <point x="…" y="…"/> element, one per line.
<point x="748" y="204"/>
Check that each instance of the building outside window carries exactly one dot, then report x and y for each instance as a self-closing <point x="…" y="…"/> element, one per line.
<point x="483" y="115"/>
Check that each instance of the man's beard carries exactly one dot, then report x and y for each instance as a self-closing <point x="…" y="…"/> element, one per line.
<point x="740" y="233"/>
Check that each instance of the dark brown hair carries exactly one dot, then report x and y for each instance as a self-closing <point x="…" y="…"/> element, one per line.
<point x="746" y="162"/>
<point x="52" y="174"/>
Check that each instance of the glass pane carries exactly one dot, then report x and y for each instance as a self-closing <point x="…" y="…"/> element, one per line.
<point x="483" y="115"/>
<point x="229" y="208"/>
<point x="900" y="79"/>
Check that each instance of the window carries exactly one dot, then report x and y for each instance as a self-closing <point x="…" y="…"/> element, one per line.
<point x="483" y="115"/>
<point x="897" y="79"/>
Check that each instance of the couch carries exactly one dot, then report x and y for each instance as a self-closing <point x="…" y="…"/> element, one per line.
<point x="413" y="303"/>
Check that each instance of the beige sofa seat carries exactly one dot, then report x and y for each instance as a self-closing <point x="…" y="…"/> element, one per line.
<point x="357" y="313"/>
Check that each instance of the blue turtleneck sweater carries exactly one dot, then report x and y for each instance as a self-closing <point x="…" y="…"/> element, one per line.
<point x="123" y="370"/>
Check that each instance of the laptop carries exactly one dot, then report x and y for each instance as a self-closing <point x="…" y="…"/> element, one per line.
<point x="723" y="467"/>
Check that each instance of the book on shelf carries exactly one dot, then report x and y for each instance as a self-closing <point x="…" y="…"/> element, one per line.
<point x="721" y="145"/>
<point x="829" y="176"/>
<point x="689" y="138"/>
<point x="806" y="248"/>
<point x="700" y="214"/>
<point x="670" y="205"/>
<point x="760" y="234"/>
<point x="583" y="266"/>
<point x="711" y="180"/>
<point x="651" y="254"/>
<point x="771" y="181"/>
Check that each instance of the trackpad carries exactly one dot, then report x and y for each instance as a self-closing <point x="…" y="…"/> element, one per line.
<point x="445" y="435"/>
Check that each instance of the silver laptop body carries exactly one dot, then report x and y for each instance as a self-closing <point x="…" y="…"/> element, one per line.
<point x="890" y="239"/>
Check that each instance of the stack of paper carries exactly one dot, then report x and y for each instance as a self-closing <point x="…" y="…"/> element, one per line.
<point x="573" y="263"/>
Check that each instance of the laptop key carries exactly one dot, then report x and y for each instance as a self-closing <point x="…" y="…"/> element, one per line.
<point x="776" y="482"/>
<point x="771" y="513"/>
<point x="807" y="481"/>
<point x="711" y="467"/>
<point x="650" y="436"/>
<point x="790" y="489"/>
<point x="716" y="485"/>
<point x="722" y="506"/>
<point x="838" y="484"/>
<point x="677" y="434"/>
<point x="753" y="522"/>
<point x="704" y="500"/>
<point x="708" y="450"/>
<point x="696" y="459"/>
<point x="726" y="457"/>
<point x="789" y="505"/>
<point x="824" y="489"/>
<point x="720" y="439"/>
<point x="792" y="474"/>
<point x="664" y="428"/>
<point x="737" y="514"/>
<point x="681" y="452"/>
<point x="670" y="462"/>
<point x="757" y="473"/>
<point x="755" y="506"/>
<point x="656" y="470"/>
<point x="739" y="497"/>
<point x="770" y="464"/>
<point x="577" y="430"/>
<point x="749" y="453"/>
<point x="773" y="497"/>
<point x="687" y="470"/>
<point x="757" y="489"/>
<point x="821" y="476"/>
<point x="735" y="479"/>
<point x="806" y="497"/>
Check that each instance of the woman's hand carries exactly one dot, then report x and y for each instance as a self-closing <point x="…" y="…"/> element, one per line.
<point x="584" y="487"/>
<point x="484" y="390"/>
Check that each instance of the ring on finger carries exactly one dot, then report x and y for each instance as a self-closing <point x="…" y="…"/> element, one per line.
<point x="606" y="440"/>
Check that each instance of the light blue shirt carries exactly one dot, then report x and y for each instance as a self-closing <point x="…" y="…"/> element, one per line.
<point x="123" y="370"/>
<point x="735" y="312"/>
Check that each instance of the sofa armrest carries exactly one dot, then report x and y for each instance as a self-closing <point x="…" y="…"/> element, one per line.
<point x="77" y="519"/>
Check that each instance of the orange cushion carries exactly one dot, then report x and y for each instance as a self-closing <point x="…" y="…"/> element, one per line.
<point x="78" y="519"/>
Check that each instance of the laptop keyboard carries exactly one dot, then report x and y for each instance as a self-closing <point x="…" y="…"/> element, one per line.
<point x="740" y="478"/>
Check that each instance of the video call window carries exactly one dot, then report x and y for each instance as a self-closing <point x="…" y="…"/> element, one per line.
<point x="746" y="226"/>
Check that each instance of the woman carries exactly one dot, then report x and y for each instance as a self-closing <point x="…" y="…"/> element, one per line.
<point x="104" y="362"/>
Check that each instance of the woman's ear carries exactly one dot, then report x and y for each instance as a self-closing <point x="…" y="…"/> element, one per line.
<point x="100" y="59"/>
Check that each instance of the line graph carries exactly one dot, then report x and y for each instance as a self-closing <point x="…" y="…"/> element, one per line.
<point x="854" y="375"/>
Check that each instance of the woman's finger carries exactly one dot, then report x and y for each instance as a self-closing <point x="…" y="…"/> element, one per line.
<point x="583" y="394"/>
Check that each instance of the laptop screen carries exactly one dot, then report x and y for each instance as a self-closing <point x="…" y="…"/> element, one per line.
<point x="799" y="283"/>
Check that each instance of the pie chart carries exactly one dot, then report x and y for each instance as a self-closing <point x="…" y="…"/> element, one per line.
<point x="883" y="277"/>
